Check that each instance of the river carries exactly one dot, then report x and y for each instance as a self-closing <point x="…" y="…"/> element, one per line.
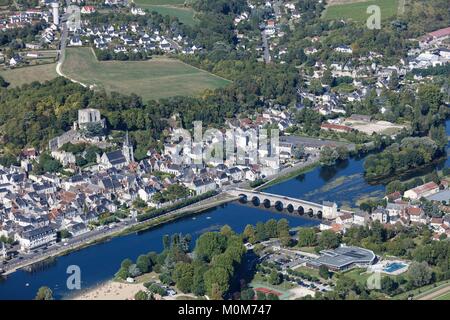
<point x="343" y="183"/>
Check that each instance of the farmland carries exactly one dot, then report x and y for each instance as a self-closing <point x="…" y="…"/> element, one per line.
<point x="173" y="8"/>
<point x="157" y="78"/>
<point x="357" y="10"/>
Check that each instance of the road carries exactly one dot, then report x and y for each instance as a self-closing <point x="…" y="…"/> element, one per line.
<point x="23" y="260"/>
<point x="267" y="57"/>
<point x="62" y="47"/>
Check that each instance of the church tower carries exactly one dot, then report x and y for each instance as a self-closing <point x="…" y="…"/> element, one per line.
<point x="127" y="150"/>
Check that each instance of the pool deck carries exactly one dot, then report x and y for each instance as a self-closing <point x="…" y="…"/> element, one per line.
<point x="382" y="265"/>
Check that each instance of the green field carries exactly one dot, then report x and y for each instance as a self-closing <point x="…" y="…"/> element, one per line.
<point x="173" y="8"/>
<point x="158" y="2"/>
<point x="358" y="11"/>
<point x="19" y="76"/>
<point x="157" y="78"/>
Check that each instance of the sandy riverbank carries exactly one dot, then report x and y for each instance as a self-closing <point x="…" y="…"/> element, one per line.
<point x="111" y="290"/>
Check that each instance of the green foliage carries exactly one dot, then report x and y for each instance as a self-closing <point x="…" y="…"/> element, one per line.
<point x="44" y="293"/>
<point x="275" y="278"/>
<point x="141" y="295"/>
<point x="411" y="153"/>
<point x="328" y="240"/>
<point x="143" y="263"/>
<point x="306" y="237"/>
<point x="47" y="164"/>
<point x="419" y="274"/>
<point x="210" y="244"/>
<point x="183" y="275"/>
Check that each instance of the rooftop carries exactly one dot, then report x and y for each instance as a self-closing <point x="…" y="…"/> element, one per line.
<point x="344" y="256"/>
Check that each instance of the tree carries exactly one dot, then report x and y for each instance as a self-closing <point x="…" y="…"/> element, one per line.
<point x="141" y="295"/>
<point x="419" y="274"/>
<point x="210" y="244"/>
<point x="134" y="271"/>
<point x="166" y="242"/>
<point x="183" y="276"/>
<point x="307" y="237"/>
<point x="324" y="272"/>
<point x="327" y="78"/>
<point x="271" y="228"/>
<point x="226" y="230"/>
<point x="216" y="282"/>
<point x="275" y="278"/>
<point x="394" y="186"/>
<point x="248" y="294"/>
<point x="272" y="296"/>
<point x="393" y="81"/>
<point x="249" y="234"/>
<point x="328" y="240"/>
<point x="283" y="232"/>
<point x="388" y="285"/>
<point x="143" y="263"/>
<point x="328" y="156"/>
<point x="260" y="232"/>
<point x="44" y="293"/>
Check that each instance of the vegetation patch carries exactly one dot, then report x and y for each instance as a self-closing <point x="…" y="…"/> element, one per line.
<point x="153" y="79"/>
<point x="20" y="76"/>
<point x="357" y="11"/>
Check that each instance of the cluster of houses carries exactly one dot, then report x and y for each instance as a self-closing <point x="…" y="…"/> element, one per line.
<point x="433" y="50"/>
<point x="127" y="38"/>
<point x="405" y="210"/>
<point x="47" y="37"/>
<point x="33" y="208"/>
<point x="21" y="19"/>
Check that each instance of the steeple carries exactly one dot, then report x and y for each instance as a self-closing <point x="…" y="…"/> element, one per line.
<point x="3" y="250"/>
<point x="127" y="150"/>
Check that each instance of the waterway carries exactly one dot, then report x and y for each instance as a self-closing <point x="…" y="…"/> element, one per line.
<point x="343" y="183"/>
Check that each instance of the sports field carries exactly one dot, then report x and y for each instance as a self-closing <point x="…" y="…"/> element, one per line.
<point x="173" y="8"/>
<point x="356" y="10"/>
<point x="157" y="78"/>
<point x="19" y="76"/>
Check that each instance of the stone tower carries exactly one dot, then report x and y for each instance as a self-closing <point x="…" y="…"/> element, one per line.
<point x="127" y="150"/>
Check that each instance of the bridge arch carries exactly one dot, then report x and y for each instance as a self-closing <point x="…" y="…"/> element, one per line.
<point x="267" y="203"/>
<point x="279" y="205"/>
<point x="301" y="210"/>
<point x="310" y="212"/>
<point x="255" y="200"/>
<point x="290" y="208"/>
<point x="243" y="198"/>
<point x="319" y="214"/>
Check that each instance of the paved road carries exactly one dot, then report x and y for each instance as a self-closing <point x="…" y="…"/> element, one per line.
<point x="73" y="243"/>
<point x="267" y="57"/>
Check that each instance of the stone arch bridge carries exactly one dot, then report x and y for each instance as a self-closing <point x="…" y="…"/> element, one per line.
<point x="268" y="200"/>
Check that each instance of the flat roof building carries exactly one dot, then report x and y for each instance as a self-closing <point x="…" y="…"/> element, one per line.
<point x="344" y="258"/>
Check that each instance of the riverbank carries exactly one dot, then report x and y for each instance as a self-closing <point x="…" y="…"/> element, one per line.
<point x="290" y="173"/>
<point x="195" y="208"/>
<point x="110" y="290"/>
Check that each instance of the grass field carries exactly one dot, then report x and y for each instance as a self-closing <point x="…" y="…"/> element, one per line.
<point x="173" y="8"/>
<point x="20" y="76"/>
<point x="357" y="10"/>
<point x="159" y="2"/>
<point x="153" y="79"/>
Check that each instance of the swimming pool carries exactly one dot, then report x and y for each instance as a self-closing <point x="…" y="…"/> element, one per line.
<point x="394" y="266"/>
